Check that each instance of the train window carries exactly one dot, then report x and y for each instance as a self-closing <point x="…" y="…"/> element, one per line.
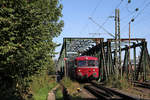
<point x="96" y="63"/>
<point x="82" y="63"/>
<point x="92" y="63"/>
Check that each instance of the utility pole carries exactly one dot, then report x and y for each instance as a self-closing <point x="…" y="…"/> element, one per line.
<point x="119" y="42"/>
<point x="116" y="35"/>
<point x="130" y="67"/>
<point x="129" y="46"/>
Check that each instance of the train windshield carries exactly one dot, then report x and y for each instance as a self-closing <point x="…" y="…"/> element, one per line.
<point x="82" y="63"/>
<point x="87" y="63"/>
<point x="92" y="63"/>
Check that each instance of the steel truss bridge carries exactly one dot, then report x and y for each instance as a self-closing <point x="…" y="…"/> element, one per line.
<point x="131" y="66"/>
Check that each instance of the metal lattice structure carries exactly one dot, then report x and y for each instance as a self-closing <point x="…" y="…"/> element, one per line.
<point x="73" y="47"/>
<point x="105" y="51"/>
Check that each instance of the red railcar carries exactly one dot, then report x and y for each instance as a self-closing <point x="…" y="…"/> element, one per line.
<point x="86" y="67"/>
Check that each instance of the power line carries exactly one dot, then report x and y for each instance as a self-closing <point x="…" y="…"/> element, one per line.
<point x="94" y="10"/>
<point x="117" y="6"/>
<point x="128" y="9"/>
<point x="135" y="10"/>
<point x="112" y="12"/>
<point x="134" y="17"/>
<point x="102" y="27"/>
<point x="127" y="16"/>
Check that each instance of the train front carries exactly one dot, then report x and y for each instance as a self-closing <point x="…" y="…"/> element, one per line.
<point x="87" y="67"/>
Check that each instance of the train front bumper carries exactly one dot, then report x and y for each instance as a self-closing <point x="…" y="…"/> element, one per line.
<point x="94" y="76"/>
<point x="81" y="76"/>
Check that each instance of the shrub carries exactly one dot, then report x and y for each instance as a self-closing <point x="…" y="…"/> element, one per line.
<point x="118" y="82"/>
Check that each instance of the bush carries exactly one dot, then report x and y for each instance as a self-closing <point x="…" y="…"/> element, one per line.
<point x="26" y="45"/>
<point x="59" y="95"/>
<point x="70" y="85"/>
<point x="121" y="83"/>
<point x="41" y="85"/>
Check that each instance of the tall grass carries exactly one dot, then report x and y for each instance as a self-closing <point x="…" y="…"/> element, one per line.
<point x="41" y="85"/>
<point x="118" y="82"/>
<point x="59" y="94"/>
<point x="71" y="87"/>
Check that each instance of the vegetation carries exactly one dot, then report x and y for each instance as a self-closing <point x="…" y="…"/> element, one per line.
<point x="118" y="82"/>
<point x="41" y="85"/>
<point x="26" y="47"/>
<point x="71" y="87"/>
<point x="59" y="94"/>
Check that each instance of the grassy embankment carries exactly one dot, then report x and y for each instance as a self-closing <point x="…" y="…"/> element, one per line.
<point x="71" y="88"/>
<point x="41" y="85"/>
<point x="126" y="86"/>
<point x="118" y="82"/>
<point x="59" y="94"/>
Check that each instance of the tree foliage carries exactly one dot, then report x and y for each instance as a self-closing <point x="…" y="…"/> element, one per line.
<point x="26" y="47"/>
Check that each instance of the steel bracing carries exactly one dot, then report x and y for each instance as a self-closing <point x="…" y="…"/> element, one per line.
<point x="133" y="68"/>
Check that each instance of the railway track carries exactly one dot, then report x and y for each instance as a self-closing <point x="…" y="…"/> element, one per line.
<point x="104" y="93"/>
<point x="142" y="84"/>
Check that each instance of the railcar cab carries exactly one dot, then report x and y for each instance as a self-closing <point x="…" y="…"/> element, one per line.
<point x="86" y="67"/>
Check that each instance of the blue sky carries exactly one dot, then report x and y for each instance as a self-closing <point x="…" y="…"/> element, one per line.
<point x="76" y="15"/>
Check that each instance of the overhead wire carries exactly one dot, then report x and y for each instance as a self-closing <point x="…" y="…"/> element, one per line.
<point x="127" y="16"/>
<point x="134" y="17"/>
<point x="128" y="8"/>
<point x="94" y="10"/>
<point x="140" y="12"/>
<point x="117" y="6"/>
<point x="92" y="14"/>
<point x="102" y="28"/>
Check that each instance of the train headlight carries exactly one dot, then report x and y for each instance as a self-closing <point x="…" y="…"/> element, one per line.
<point x="93" y="70"/>
<point x="79" y="70"/>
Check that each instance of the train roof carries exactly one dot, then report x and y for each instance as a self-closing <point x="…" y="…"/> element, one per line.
<point x="86" y="58"/>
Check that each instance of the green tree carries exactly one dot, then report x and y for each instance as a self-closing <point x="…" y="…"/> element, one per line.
<point x="26" y="47"/>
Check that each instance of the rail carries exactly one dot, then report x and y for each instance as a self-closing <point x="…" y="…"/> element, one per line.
<point x="107" y="93"/>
